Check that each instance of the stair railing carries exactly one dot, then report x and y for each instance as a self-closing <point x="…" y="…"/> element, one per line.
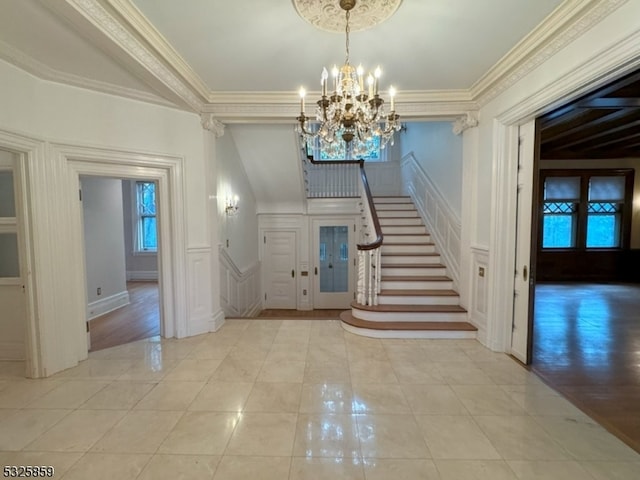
<point x="369" y="248"/>
<point x="331" y="178"/>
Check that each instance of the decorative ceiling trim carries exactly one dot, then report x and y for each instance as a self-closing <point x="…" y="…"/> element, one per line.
<point x="211" y="123"/>
<point x="565" y="24"/>
<point x="34" y="67"/>
<point x="105" y="22"/>
<point x="327" y="15"/>
<point x="143" y="27"/>
<point x="467" y="121"/>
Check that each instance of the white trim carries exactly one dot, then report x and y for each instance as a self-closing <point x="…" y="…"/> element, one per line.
<point x="442" y="223"/>
<point x="240" y="292"/>
<point x="142" y="275"/>
<point x="107" y="304"/>
<point x="367" y="332"/>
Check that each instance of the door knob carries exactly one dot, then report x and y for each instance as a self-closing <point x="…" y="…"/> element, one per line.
<point x="525" y="273"/>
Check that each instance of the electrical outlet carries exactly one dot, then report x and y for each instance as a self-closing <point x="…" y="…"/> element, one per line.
<point x="99" y="291"/>
<point x="304" y="291"/>
<point x="481" y="271"/>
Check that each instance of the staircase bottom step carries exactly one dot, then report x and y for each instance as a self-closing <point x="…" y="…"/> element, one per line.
<point x="406" y="329"/>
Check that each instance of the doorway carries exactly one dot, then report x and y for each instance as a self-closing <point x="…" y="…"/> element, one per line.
<point x="121" y="260"/>
<point x="334" y="265"/>
<point x="12" y="276"/>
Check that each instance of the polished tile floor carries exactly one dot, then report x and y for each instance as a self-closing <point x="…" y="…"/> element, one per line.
<point x="301" y="400"/>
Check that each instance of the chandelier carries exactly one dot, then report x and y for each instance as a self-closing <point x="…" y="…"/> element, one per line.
<point x="352" y="116"/>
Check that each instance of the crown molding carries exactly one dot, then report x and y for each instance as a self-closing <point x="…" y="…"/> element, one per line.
<point x="38" y="69"/>
<point x="465" y="122"/>
<point x="567" y="22"/>
<point x="211" y="123"/>
<point x="110" y="26"/>
<point x="150" y="34"/>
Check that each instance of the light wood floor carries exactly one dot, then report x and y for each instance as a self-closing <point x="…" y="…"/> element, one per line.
<point x="140" y="319"/>
<point x="324" y="314"/>
<point x="587" y="346"/>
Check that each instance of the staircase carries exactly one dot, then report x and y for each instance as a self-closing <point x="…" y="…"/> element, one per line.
<point x="416" y="298"/>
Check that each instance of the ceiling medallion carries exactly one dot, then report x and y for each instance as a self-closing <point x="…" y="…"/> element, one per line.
<point x="326" y="14"/>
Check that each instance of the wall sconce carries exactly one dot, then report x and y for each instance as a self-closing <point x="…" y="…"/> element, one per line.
<point x="231" y="205"/>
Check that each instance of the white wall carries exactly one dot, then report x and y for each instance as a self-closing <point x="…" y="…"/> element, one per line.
<point x="103" y="243"/>
<point x="438" y="151"/>
<point x="140" y="265"/>
<point x="57" y="118"/>
<point x="238" y="233"/>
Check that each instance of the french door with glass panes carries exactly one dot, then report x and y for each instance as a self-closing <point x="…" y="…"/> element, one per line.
<point x="12" y="295"/>
<point x="334" y="267"/>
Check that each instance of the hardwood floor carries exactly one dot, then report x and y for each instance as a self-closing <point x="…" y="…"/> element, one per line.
<point x="586" y="344"/>
<point x="140" y="319"/>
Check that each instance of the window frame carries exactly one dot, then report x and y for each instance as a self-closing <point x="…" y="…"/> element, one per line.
<point x="138" y="218"/>
<point x="626" y="207"/>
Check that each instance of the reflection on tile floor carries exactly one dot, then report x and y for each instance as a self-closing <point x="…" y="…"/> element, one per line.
<point x="301" y="399"/>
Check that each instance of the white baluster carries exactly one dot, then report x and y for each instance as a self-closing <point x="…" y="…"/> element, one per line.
<point x="361" y="277"/>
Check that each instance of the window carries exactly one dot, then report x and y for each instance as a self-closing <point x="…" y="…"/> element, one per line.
<point x="586" y="209"/>
<point x="147" y="237"/>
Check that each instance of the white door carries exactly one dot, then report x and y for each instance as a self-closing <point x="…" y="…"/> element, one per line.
<point x="12" y="294"/>
<point x="333" y="279"/>
<point x="279" y="266"/>
<point x="523" y="276"/>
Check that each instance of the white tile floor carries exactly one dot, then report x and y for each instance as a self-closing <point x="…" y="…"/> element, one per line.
<point x="295" y="399"/>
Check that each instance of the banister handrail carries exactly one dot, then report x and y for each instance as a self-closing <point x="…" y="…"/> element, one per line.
<point x="374" y="215"/>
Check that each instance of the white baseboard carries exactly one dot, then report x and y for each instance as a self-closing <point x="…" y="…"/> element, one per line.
<point x="217" y="321"/>
<point x="142" y="275"/>
<point x="107" y="304"/>
<point x="12" y="351"/>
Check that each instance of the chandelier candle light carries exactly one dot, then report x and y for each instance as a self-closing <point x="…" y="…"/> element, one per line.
<point x="351" y="113"/>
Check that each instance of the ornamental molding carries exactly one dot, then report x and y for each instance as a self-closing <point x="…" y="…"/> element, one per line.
<point x="44" y="72"/>
<point x="467" y="121"/>
<point x="211" y="123"/>
<point x="100" y="18"/>
<point x="327" y="15"/>
<point x="563" y="26"/>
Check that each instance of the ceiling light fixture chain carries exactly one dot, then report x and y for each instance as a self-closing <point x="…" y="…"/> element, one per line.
<point x="352" y="116"/>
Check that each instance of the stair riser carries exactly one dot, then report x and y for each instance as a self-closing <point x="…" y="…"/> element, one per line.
<point x="378" y="200"/>
<point x="397" y="214"/>
<point x="409" y="316"/>
<point x="414" y="271"/>
<point x="403" y="230"/>
<point x="418" y="300"/>
<point x="410" y="259"/>
<point x="411" y="334"/>
<point x="405" y="221"/>
<point x="416" y="285"/>
<point x="390" y="238"/>
<point x="394" y="206"/>
<point x="408" y="249"/>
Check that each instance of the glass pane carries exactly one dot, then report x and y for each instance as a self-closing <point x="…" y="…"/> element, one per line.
<point x="7" y="198"/>
<point x="149" y="235"/>
<point x="9" y="260"/>
<point x="606" y="188"/>
<point x="334" y="259"/>
<point x="558" y="231"/>
<point x="562" y="188"/>
<point x="147" y="198"/>
<point x="603" y="231"/>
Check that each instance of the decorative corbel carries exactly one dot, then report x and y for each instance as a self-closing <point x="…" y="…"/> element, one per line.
<point x="209" y="122"/>
<point x="461" y="124"/>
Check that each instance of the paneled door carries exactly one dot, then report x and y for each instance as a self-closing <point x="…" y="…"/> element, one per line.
<point x="12" y="295"/>
<point x="333" y="270"/>
<point x="279" y="269"/>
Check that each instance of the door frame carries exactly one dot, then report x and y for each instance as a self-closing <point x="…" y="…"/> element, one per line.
<point x="315" y="225"/>
<point x="617" y="61"/>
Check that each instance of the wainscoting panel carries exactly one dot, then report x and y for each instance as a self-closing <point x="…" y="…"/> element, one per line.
<point x="239" y="290"/>
<point x="441" y="221"/>
<point x="479" y="288"/>
<point x="198" y="294"/>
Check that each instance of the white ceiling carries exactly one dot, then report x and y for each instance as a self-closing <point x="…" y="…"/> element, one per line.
<point x="253" y="46"/>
